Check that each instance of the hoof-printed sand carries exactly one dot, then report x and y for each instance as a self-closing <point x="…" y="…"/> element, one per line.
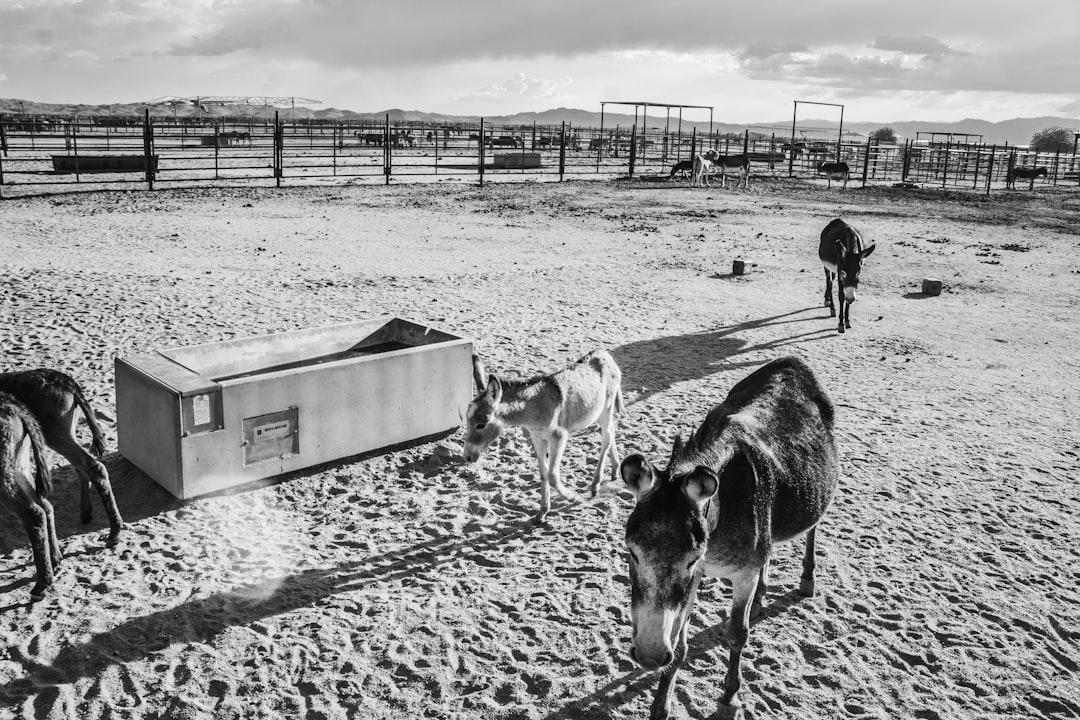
<point x="409" y="584"/>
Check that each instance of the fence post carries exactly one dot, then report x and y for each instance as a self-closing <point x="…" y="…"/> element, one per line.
<point x="866" y="162"/>
<point x="217" y="134"/>
<point x="1057" y="157"/>
<point x="148" y="149"/>
<point x="746" y="141"/>
<point x="905" y="164"/>
<point x="978" y="164"/>
<point x="279" y="148"/>
<point x="633" y="148"/>
<point x="387" y="157"/>
<point x="990" y="169"/>
<point x="772" y="149"/>
<point x="945" y="166"/>
<point x="480" y="153"/>
<point x="3" y="136"/>
<point x="562" y="151"/>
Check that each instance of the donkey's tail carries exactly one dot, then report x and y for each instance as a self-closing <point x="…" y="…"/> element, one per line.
<point x="42" y="474"/>
<point x="620" y="404"/>
<point x="97" y="446"/>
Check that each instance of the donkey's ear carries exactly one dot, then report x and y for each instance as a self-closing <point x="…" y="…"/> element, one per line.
<point x="676" y="448"/>
<point x="638" y="474"/>
<point x="478" y="373"/>
<point x="494" y="388"/>
<point x="700" y="485"/>
<point x="867" y="251"/>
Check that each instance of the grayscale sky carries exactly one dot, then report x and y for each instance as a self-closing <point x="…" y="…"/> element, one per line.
<point x="934" y="60"/>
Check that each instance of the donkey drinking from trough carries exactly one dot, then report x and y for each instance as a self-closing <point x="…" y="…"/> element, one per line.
<point x="550" y="408"/>
<point x="842" y="251"/>
<point x="760" y="470"/>
<point x="25" y="484"/>
<point x="53" y="398"/>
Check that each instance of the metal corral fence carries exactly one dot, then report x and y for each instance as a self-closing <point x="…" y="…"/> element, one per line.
<point x="44" y="155"/>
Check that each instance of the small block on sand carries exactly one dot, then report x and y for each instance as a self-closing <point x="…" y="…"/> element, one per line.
<point x="931" y="286"/>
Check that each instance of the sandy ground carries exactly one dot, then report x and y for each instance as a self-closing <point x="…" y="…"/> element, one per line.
<point x="409" y="584"/>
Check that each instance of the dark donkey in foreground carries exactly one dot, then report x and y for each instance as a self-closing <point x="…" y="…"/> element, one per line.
<point x="53" y="397"/>
<point x="25" y="484"/>
<point x="842" y="251"/>
<point x="760" y="470"/>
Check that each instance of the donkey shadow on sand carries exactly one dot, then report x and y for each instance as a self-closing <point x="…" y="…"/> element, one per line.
<point x="605" y="700"/>
<point x="137" y="494"/>
<point x="655" y="365"/>
<point x="201" y="620"/>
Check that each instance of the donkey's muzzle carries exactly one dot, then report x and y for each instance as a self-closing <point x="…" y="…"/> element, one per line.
<point x="650" y="661"/>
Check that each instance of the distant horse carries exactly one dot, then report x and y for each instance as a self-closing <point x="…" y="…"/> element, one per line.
<point x="1024" y="174"/>
<point x="835" y="171"/>
<point x="370" y="138"/>
<point x="682" y="168"/>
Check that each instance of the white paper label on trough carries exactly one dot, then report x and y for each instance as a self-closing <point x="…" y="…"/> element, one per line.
<point x="271" y="431"/>
<point x="200" y="406"/>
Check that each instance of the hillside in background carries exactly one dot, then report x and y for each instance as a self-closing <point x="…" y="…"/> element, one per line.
<point x="1017" y="131"/>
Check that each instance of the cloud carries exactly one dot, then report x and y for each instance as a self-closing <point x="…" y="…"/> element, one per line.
<point x="767" y="51"/>
<point x="837" y="44"/>
<point x="1071" y="108"/>
<point x="524" y="86"/>
<point x="929" y="47"/>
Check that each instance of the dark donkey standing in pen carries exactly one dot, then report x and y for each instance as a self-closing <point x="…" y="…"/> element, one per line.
<point x="760" y="470"/>
<point x="25" y="485"/>
<point x="842" y="251"/>
<point x="53" y="397"/>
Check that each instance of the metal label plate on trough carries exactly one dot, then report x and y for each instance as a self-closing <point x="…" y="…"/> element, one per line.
<point x="271" y="436"/>
<point x="201" y="413"/>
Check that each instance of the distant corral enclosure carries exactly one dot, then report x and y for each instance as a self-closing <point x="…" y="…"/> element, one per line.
<point x="52" y="154"/>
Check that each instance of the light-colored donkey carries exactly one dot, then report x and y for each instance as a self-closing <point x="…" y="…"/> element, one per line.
<point x="549" y="408"/>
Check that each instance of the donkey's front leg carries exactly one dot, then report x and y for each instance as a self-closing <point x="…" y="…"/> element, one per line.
<point x="540" y="445"/>
<point x="556" y="446"/>
<point x="607" y="448"/>
<point x="845" y="306"/>
<point x="809" y="563"/>
<point x="828" y="293"/>
<point x="743" y="589"/>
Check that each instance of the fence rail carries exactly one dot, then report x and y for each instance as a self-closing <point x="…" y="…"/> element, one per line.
<point x="53" y="156"/>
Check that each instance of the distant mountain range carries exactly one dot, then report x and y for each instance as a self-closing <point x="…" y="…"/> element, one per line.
<point x="1017" y="131"/>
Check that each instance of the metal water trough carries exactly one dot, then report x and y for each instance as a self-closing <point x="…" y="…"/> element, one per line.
<point x="204" y="418"/>
<point x="102" y="163"/>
